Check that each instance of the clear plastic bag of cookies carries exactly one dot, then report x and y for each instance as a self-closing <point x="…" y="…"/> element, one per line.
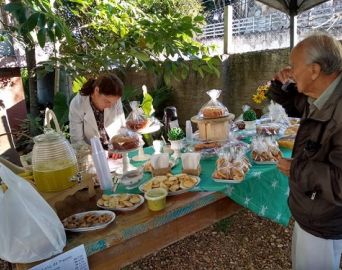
<point x="232" y="165"/>
<point x="278" y="115"/>
<point x="136" y="120"/>
<point x="268" y="129"/>
<point x="213" y="108"/>
<point x="265" y="149"/>
<point x="125" y="140"/>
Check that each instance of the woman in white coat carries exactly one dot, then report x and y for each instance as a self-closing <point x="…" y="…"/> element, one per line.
<point x="97" y="110"/>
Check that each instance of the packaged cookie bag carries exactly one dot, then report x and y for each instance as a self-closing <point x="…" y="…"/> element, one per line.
<point x="136" y="120"/>
<point x="232" y="165"/>
<point x="213" y="108"/>
<point x="265" y="150"/>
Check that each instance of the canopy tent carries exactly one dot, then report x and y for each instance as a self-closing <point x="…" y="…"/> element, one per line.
<point x="292" y="8"/>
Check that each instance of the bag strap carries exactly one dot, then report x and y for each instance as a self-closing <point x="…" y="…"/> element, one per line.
<point x="49" y="114"/>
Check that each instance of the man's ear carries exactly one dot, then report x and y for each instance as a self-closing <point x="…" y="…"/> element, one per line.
<point x="97" y="90"/>
<point x="315" y="71"/>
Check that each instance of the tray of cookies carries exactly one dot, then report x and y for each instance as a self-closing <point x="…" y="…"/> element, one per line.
<point x="174" y="184"/>
<point x="231" y="166"/>
<point x="120" y="202"/>
<point x="265" y="150"/>
<point x="88" y="221"/>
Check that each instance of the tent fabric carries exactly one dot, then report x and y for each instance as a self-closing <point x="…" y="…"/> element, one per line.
<point x="292" y="7"/>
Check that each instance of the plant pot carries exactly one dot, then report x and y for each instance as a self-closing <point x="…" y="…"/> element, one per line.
<point x="176" y="145"/>
<point x="250" y="124"/>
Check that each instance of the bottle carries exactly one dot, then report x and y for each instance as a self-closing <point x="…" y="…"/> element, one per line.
<point x="188" y="131"/>
<point x="101" y="164"/>
<point x="170" y="118"/>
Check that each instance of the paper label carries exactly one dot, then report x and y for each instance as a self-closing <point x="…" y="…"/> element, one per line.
<point x="74" y="259"/>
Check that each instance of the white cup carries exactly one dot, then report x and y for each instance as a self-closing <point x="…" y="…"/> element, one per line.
<point x="158" y="146"/>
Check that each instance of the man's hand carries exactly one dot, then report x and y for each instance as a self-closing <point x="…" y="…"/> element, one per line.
<point x="284" y="166"/>
<point x="283" y="75"/>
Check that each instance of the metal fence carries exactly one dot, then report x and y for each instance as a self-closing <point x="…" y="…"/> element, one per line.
<point x="323" y="17"/>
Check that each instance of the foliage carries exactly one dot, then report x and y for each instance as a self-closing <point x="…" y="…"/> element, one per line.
<point x="147" y="103"/>
<point x="61" y="108"/>
<point x="190" y="7"/>
<point x="249" y="115"/>
<point x="23" y="138"/>
<point x="261" y="93"/>
<point x="161" y="98"/>
<point x="175" y="134"/>
<point x="78" y="83"/>
<point x="132" y="33"/>
<point x="36" y="23"/>
<point x="25" y="80"/>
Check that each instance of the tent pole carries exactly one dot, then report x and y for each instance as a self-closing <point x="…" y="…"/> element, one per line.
<point x="293" y="30"/>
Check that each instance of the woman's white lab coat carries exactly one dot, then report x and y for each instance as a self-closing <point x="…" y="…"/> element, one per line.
<point x="83" y="125"/>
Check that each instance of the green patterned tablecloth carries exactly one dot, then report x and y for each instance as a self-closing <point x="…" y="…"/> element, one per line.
<point x="264" y="191"/>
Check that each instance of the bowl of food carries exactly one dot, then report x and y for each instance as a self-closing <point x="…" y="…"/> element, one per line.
<point x="132" y="177"/>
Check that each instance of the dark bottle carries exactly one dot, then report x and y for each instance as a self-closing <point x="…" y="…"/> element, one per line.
<point x="170" y="119"/>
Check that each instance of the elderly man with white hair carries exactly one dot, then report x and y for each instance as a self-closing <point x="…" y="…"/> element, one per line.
<point x="315" y="169"/>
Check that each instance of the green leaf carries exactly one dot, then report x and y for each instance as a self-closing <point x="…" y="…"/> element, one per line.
<point x="41" y="37"/>
<point x="32" y="21"/>
<point x="167" y="78"/>
<point x="61" y="108"/>
<point x="78" y="83"/>
<point x="41" y="20"/>
<point x="51" y="35"/>
<point x="58" y="31"/>
<point x="11" y="7"/>
<point x="199" y="19"/>
<point x="142" y="56"/>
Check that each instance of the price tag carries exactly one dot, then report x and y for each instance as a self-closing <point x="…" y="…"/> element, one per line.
<point x="74" y="259"/>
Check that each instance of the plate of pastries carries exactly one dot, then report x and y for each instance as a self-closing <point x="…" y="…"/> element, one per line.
<point x="174" y="184"/>
<point x="120" y="202"/>
<point x="88" y="221"/>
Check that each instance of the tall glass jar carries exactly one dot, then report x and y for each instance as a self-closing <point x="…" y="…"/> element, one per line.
<point x="54" y="162"/>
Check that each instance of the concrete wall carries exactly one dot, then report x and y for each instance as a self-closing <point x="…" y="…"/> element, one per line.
<point x="240" y="75"/>
<point x="243" y="73"/>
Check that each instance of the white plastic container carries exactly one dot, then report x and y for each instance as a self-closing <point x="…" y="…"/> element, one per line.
<point x="101" y="164"/>
<point x="156" y="199"/>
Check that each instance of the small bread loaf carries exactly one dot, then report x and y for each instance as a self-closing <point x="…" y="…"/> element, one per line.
<point x="123" y="142"/>
<point x="213" y="112"/>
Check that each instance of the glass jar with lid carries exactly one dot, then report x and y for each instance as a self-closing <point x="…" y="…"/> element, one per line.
<point x="54" y="162"/>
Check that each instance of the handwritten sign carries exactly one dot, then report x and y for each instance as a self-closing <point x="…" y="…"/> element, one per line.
<point x="74" y="259"/>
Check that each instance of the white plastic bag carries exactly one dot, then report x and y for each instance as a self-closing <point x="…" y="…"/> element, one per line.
<point x="30" y="230"/>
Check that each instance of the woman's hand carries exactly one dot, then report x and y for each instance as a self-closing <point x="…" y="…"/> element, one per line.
<point x="116" y="156"/>
<point x="284" y="166"/>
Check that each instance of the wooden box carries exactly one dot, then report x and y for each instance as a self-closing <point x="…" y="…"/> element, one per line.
<point x="216" y="129"/>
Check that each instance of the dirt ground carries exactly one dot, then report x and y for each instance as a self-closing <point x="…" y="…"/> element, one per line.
<point x="242" y="241"/>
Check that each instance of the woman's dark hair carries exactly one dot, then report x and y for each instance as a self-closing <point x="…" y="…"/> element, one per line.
<point x="109" y="85"/>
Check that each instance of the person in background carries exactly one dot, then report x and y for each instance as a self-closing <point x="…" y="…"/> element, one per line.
<point x="97" y="111"/>
<point x="315" y="170"/>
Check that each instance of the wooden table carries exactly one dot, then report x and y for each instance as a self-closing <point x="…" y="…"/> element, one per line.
<point x="136" y="234"/>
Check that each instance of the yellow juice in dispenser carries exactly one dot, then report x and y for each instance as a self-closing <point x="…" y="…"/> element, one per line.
<point x="53" y="176"/>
